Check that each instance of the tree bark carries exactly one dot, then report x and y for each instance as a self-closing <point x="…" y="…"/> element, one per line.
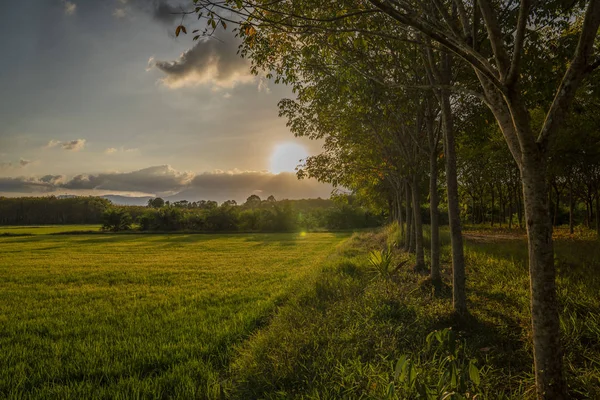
<point x="510" y="208"/>
<point x="400" y="217"/>
<point x="435" y="274"/>
<point x="419" y="250"/>
<point x="409" y="229"/>
<point x="492" y="210"/>
<point x="570" y="207"/>
<point x="519" y="209"/>
<point x="459" y="295"/>
<point x="544" y="303"/>
<point x="556" y="205"/>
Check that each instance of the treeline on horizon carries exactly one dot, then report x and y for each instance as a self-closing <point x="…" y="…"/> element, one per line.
<point x="255" y="215"/>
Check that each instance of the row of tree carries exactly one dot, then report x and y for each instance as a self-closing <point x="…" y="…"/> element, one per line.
<point x="344" y="212"/>
<point x="271" y="216"/>
<point x="394" y="87"/>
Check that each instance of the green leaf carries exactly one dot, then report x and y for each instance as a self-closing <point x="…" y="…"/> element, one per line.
<point x="474" y="374"/>
<point x="399" y="366"/>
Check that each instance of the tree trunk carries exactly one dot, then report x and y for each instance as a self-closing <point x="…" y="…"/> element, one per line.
<point x="459" y="296"/>
<point x="420" y="252"/>
<point x="510" y="208"/>
<point x="519" y="209"/>
<point x="556" y="205"/>
<point x="589" y="206"/>
<point x="544" y="303"/>
<point x="571" y="207"/>
<point x="434" y="216"/>
<point x="492" y="210"/>
<point x="400" y="217"/>
<point x="502" y="208"/>
<point x="409" y="230"/>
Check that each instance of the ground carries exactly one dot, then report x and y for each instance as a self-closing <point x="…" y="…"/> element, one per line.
<point x="102" y="315"/>
<point x="281" y="316"/>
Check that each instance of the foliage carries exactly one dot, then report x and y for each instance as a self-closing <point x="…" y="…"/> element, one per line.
<point x="381" y="262"/>
<point x="343" y="334"/>
<point x="443" y="371"/>
<point x="52" y="210"/>
<point x="116" y="220"/>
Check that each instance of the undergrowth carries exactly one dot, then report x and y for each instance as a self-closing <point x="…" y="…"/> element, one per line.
<point x="345" y="334"/>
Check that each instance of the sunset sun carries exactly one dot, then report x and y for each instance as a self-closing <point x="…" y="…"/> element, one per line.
<point x="286" y="157"/>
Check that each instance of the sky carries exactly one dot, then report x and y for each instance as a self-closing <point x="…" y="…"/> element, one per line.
<point x="99" y="97"/>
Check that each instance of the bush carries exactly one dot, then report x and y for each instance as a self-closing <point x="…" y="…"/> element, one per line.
<point x="115" y="220"/>
<point x="222" y="218"/>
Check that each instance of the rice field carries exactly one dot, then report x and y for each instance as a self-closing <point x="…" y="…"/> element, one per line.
<point x="138" y="316"/>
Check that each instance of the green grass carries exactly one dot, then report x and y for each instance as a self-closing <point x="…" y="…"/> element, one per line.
<point x="342" y="336"/>
<point x="279" y="316"/>
<point x="139" y="316"/>
<point x="46" y="229"/>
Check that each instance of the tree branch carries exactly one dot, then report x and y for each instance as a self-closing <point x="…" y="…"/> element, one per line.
<point x="579" y="68"/>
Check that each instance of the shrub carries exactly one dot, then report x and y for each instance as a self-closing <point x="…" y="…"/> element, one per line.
<point x="115" y="220"/>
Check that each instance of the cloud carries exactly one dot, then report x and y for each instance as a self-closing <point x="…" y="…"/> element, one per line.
<point x="165" y="12"/>
<point x="119" y="13"/>
<point x="72" y="145"/>
<point x="113" y="150"/>
<point x="238" y="185"/>
<point x="9" y="166"/>
<point x="69" y="7"/>
<point x="161" y="179"/>
<point x="42" y="185"/>
<point x="165" y="181"/>
<point x="211" y="61"/>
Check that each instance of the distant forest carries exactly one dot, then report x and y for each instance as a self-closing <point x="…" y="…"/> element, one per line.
<point x="255" y="215"/>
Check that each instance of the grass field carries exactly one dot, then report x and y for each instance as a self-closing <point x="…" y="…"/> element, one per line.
<point x="46" y="229"/>
<point x="279" y="316"/>
<point x="139" y="316"/>
<point x="343" y="336"/>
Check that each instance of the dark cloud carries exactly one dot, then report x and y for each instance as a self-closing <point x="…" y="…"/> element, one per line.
<point x="238" y="186"/>
<point x="167" y="182"/>
<point x="23" y="162"/>
<point x="212" y="60"/>
<point x="160" y="180"/>
<point x="166" y="12"/>
<point x="46" y="184"/>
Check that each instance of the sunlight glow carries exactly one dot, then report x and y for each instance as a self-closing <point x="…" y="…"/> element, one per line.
<point x="286" y="157"/>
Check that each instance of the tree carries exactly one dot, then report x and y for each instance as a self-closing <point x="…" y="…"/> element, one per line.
<point x="252" y="201"/>
<point x="503" y="45"/>
<point x="156" y="202"/>
<point x="116" y="219"/>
